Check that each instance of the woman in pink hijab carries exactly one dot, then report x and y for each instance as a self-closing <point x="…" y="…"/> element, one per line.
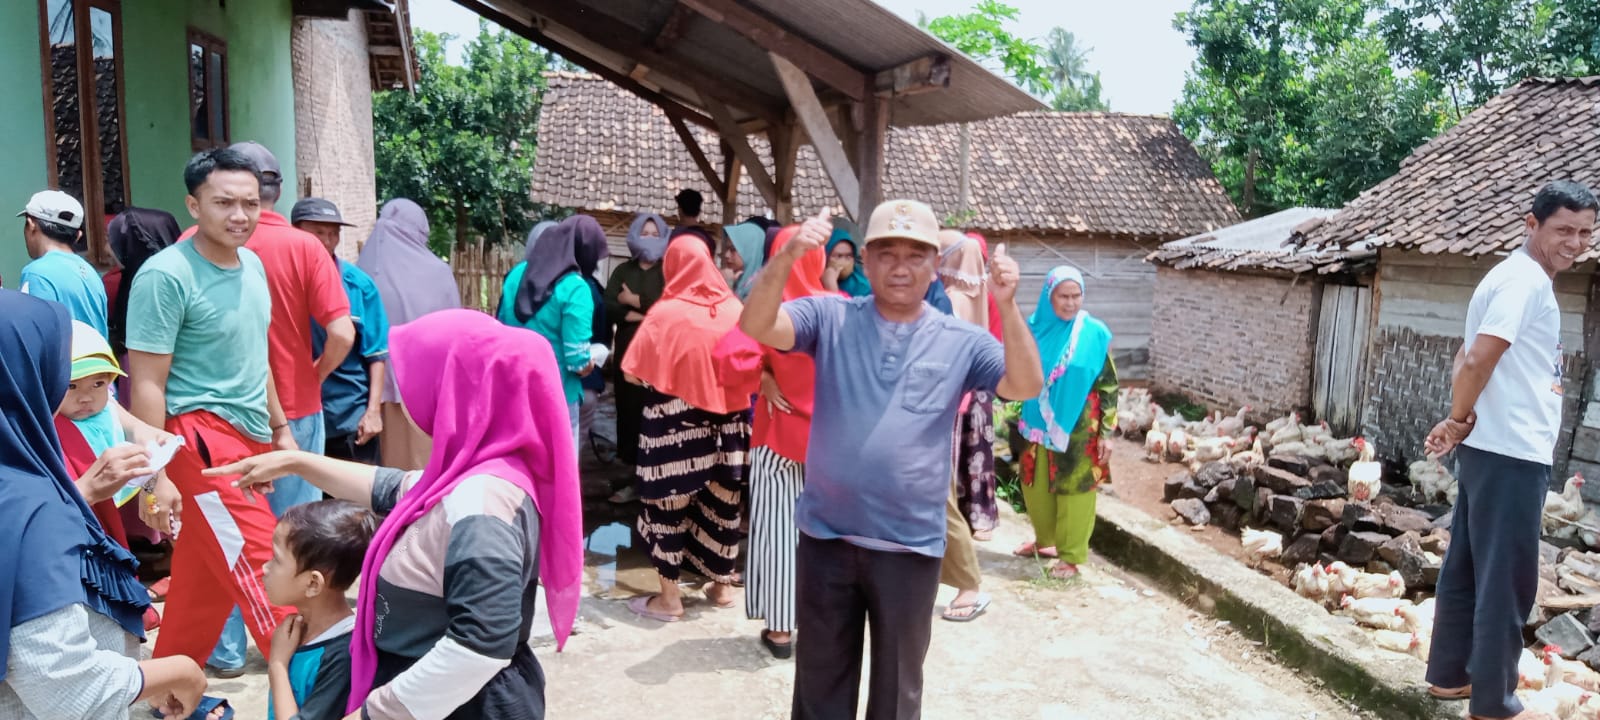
<point x="449" y="583"/>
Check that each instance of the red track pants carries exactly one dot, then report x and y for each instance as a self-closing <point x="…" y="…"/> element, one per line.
<point x="224" y="543"/>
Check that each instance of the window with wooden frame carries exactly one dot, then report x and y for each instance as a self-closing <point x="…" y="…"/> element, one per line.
<point x="80" y="54"/>
<point x="208" y="91"/>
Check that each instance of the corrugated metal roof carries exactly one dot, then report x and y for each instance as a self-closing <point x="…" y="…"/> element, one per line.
<point x="703" y="55"/>
<point x="1264" y="243"/>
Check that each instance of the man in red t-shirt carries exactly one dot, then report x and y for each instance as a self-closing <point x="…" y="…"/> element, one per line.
<point x="304" y="284"/>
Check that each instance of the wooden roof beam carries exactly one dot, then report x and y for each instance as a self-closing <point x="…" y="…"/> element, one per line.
<point x="814" y="118"/>
<point x="699" y="155"/>
<point x="609" y="33"/>
<point x="925" y="74"/>
<point x="672" y="29"/>
<point x="668" y="105"/>
<point x="774" y="38"/>
<point x="736" y="140"/>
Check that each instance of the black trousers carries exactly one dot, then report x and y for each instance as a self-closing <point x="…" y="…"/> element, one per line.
<point x="630" y="400"/>
<point x="841" y="589"/>
<point x="1489" y="580"/>
<point x="344" y="447"/>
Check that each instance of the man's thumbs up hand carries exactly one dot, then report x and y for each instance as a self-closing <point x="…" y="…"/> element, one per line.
<point x="1003" y="275"/>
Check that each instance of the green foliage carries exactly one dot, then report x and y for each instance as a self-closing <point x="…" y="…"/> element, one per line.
<point x="1309" y="102"/>
<point x="981" y="34"/>
<point x="1067" y="65"/>
<point x="462" y="146"/>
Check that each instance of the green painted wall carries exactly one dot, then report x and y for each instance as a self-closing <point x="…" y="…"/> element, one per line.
<point x="21" y="128"/>
<point x="156" y="73"/>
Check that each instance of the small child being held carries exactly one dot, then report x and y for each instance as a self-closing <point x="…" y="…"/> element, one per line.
<point x="317" y="551"/>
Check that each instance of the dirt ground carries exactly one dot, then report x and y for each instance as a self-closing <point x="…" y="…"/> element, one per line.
<point x="1139" y="482"/>
<point x="1106" y="645"/>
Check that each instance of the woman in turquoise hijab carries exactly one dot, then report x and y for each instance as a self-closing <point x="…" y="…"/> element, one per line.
<point x="844" y="273"/>
<point x="743" y="256"/>
<point x="1063" y="436"/>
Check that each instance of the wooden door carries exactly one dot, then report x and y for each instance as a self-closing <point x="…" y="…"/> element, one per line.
<point x="1341" y="355"/>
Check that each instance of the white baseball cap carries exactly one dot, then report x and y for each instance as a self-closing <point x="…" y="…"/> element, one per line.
<point x="55" y="206"/>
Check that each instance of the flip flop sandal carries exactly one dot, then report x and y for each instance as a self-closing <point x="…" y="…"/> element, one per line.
<point x="721" y="606"/>
<point x="204" y="708"/>
<point x="1461" y="693"/>
<point x="781" y="651"/>
<point x="978" y="608"/>
<point x="641" y="606"/>
<point x="158" y="589"/>
<point x="1032" y="549"/>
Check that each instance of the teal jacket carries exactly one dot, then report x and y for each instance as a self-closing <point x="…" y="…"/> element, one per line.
<point x="566" y="320"/>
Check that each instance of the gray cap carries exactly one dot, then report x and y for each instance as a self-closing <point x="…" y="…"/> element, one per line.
<point x="55" y="206"/>
<point x="315" y="209"/>
<point x="265" y="162"/>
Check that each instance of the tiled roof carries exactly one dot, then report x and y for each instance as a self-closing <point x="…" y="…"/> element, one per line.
<point x="1468" y="190"/>
<point x="602" y="148"/>
<point x="1262" y="244"/>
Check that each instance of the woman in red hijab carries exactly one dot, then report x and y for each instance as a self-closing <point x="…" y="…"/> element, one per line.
<point x="694" y="439"/>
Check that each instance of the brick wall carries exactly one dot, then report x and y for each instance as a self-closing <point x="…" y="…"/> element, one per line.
<point x="333" y="121"/>
<point x="1232" y="339"/>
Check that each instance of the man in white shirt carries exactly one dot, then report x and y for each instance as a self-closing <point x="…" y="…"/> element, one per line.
<point x="1505" y="414"/>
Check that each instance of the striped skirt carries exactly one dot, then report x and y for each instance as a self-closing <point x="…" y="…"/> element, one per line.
<point x="691" y="472"/>
<point x="775" y="483"/>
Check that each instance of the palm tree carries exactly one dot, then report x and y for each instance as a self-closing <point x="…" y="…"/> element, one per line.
<point x="1067" y="65"/>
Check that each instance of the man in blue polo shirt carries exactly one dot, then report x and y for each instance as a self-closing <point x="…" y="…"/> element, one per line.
<point x="891" y="371"/>
<point x="54" y="220"/>
<point x="351" y="396"/>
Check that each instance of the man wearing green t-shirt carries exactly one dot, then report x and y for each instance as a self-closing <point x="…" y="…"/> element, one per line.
<point x="197" y="355"/>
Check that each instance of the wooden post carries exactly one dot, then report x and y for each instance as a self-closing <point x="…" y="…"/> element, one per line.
<point x="733" y="136"/>
<point x="699" y="155"/>
<point x="797" y="85"/>
<point x="874" y="134"/>
<point x="730" y="175"/>
<point x="965" y="180"/>
<point x="785" y="142"/>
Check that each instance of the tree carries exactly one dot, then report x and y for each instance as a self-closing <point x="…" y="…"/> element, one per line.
<point x="462" y="146"/>
<point x="1067" y="66"/>
<point x="981" y="34"/>
<point x="1296" y="102"/>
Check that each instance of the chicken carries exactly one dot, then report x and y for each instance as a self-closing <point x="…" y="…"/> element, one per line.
<point x="1366" y="474"/>
<point x="1588" y="707"/>
<point x="1395" y="640"/>
<point x="1340" y="576"/>
<point x="1569" y="671"/>
<point x="1316" y="433"/>
<point x="1208" y="450"/>
<point x="1167" y="423"/>
<point x="1288" y="434"/>
<point x="1377" y="613"/>
<point x="1205" y="427"/>
<point x="1418" y="618"/>
<point x="1252" y="458"/>
<point x="1288" y="449"/>
<point x="1311" y="581"/>
<point x="1531" y="671"/>
<point x="1340" y="452"/>
<point x="1177" y="445"/>
<point x="1273" y="427"/>
<point x="1233" y="426"/>
<point x="1559" y="700"/>
<point x="1432" y="481"/>
<point x="1372" y="585"/>
<point x="1261" y="545"/>
<point x="1567" y="505"/>
<point x="1135" y="413"/>
<point x="1155" y="444"/>
<point x="1589" y="528"/>
<point x="1424" y="646"/>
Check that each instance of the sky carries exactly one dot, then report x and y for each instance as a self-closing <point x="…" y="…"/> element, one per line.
<point x="1141" y="59"/>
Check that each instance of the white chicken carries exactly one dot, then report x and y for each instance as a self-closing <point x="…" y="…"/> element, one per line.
<point x="1281" y="423"/>
<point x="1432" y="481"/>
<point x="1318" y="433"/>
<point x="1418" y="618"/>
<point x="1207" y="450"/>
<point x="1376" y="613"/>
<point x="1233" y="426"/>
<point x="1588" y="707"/>
<point x="1398" y="641"/>
<point x="1155" y="444"/>
<point x="1252" y="458"/>
<point x="1311" y="581"/>
<point x="1177" y="445"/>
<point x="1286" y="434"/>
<point x="1589" y="528"/>
<point x="1373" y="585"/>
<point x="1531" y="671"/>
<point x="1559" y="700"/>
<point x="1340" y="452"/>
<point x="1366" y="474"/>
<point x="1261" y="545"/>
<point x="1566" y="505"/>
<point x="1569" y="671"/>
<point x="1340" y="577"/>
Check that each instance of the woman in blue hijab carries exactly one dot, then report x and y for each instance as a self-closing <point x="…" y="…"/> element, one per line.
<point x="74" y="609"/>
<point x="1063" y="437"/>
<point x="844" y="273"/>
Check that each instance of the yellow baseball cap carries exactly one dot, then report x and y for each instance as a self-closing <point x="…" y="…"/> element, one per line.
<point x="91" y="354"/>
<point x="904" y="219"/>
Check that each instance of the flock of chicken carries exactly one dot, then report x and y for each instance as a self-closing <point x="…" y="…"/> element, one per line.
<point x="1375" y="601"/>
<point x="1218" y="437"/>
